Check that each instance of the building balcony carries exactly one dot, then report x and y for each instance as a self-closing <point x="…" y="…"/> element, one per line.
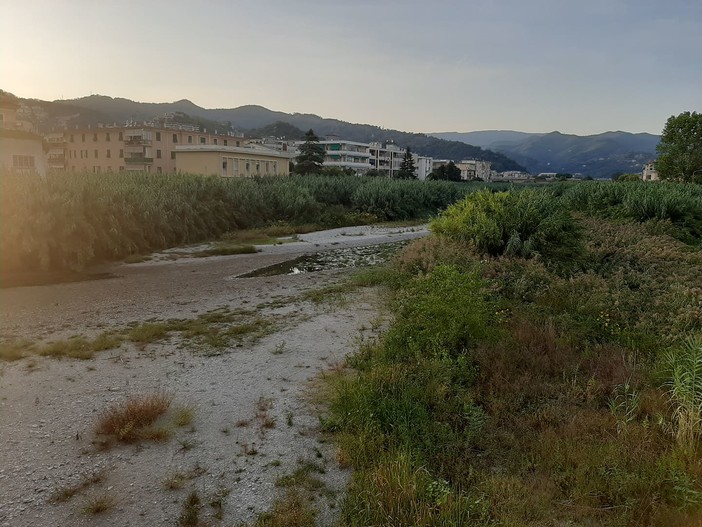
<point x="355" y="153"/>
<point x="138" y="160"/>
<point x="136" y="141"/>
<point x="347" y="164"/>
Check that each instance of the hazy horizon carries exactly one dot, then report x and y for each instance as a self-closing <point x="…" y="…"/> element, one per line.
<point x="547" y="66"/>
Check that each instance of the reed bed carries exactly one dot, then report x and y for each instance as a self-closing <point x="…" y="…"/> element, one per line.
<point x="67" y="221"/>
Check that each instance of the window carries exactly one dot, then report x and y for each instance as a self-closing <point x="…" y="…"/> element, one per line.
<point x="95" y="136"/>
<point x="121" y="153"/>
<point x="175" y="138"/>
<point x="158" y="136"/>
<point x="120" y="136"/>
<point x="248" y="166"/>
<point x="158" y="154"/>
<point x="190" y="139"/>
<point x="202" y="140"/>
<point x="83" y="138"/>
<point x="72" y="138"/>
<point x="159" y="170"/>
<point x="96" y="154"/>
<point x="258" y="167"/>
<point x="215" y="140"/>
<point x="109" y="153"/>
<point x="107" y="137"/>
<point x="237" y="143"/>
<point x="225" y="142"/>
<point x="224" y="165"/>
<point x="121" y="169"/>
<point x="173" y="155"/>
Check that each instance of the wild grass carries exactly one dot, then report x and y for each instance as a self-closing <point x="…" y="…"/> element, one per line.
<point x="64" y="494"/>
<point x="525" y="389"/>
<point x="684" y="388"/>
<point x="183" y="416"/>
<point x="294" y="510"/>
<point x="77" y="347"/>
<point x="190" y="515"/>
<point x="132" y="419"/>
<point x="99" y="504"/>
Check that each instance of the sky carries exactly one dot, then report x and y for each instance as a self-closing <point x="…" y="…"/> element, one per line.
<point x="576" y="66"/>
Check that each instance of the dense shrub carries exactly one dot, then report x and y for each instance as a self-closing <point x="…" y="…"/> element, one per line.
<point x="523" y="224"/>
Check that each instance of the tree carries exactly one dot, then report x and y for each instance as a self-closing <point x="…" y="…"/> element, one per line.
<point x="680" y="149"/>
<point x="407" y="168"/>
<point x="448" y="172"/>
<point x="311" y="156"/>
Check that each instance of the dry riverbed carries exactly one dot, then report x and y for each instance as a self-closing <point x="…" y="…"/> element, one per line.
<point x="240" y="423"/>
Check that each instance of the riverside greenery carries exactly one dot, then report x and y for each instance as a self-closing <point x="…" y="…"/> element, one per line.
<point x="554" y="385"/>
<point x="67" y="221"/>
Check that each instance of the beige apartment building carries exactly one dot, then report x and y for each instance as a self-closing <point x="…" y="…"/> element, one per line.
<point x="21" y="150"/>
<point x="232" y="161"/>
<point x="139" y="148"/>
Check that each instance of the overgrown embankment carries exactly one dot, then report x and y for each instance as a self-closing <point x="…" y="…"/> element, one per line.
<point x="544" y="366"/>
<point x="67" y="221"/>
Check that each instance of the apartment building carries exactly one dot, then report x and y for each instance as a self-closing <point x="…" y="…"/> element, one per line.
<point x="347" y="154"/>
<point x="147" y="148"/>
<point x="386" y="157"/>
<point x="21" y="150"/>
<point x="474" y="169"/>
<point x="232" y="161"/>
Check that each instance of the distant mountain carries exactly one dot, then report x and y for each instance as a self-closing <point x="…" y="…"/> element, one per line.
<point x="102" y="109"/>
<point x="599" y="156"/>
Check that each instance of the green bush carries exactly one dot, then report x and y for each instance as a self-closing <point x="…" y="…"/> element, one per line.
<point x="523" y="224"/>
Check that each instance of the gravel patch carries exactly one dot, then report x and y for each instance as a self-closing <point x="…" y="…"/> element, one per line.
<point x="48" y="408"/>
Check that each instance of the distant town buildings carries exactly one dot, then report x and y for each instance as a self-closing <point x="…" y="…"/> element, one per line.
<point x="165" y="147"/>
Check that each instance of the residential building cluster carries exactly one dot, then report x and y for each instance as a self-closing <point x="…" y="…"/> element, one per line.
<point x="169" y="147"/>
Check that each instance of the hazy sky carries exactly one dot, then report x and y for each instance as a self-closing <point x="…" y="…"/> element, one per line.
<point x="577" y="66"/>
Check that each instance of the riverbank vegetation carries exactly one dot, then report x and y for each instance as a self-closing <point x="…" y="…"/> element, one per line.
<point x="68" y="221"/>
<point x="543" y="367"/>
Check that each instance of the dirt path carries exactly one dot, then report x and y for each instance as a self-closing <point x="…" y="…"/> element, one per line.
<point x="48" y="407"/>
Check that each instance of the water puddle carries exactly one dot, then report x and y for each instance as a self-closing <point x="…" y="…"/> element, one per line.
<point x="327" y="260"/>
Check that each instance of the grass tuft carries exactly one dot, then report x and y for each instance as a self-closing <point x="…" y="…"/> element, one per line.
<point x="130" y="420"/>
<point x="99" y="504"/>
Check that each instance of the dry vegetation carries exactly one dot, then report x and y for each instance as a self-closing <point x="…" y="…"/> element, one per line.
<point x="133" y="419"/>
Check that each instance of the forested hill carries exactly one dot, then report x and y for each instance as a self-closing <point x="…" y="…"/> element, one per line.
<point x="99" y="108"/>
<point x="599" y="156"/>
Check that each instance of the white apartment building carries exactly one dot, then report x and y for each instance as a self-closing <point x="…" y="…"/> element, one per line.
<point x="347" y="154"/>
<point x="361" y="157"/>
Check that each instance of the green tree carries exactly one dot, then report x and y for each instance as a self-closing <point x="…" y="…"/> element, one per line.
<point x="680" y="149"/>
<point x="449" y="172"/>
<point x="311" y="157"/>
<point x="407" y="168"/>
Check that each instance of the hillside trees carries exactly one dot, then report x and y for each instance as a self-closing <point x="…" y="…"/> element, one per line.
<point x="680" y="149"/>
<point x="311" y="156"/>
